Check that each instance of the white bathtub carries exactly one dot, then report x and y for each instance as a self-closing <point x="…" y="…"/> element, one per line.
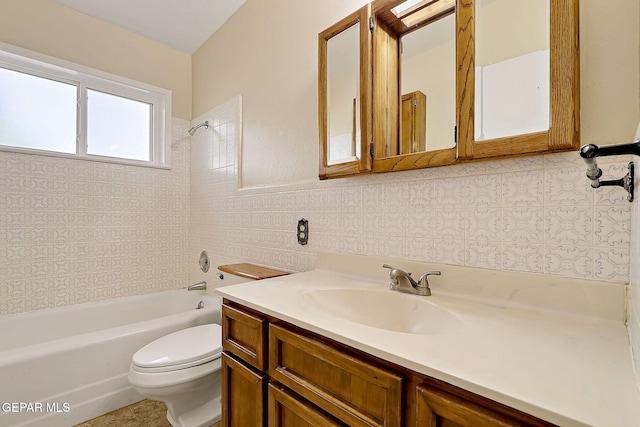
<point x="63" y="366"/>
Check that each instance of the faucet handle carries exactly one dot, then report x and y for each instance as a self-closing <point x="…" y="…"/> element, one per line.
<point x="394" y="284"/>
<point x="424" y="281"/>
<point x="395" y="271"/>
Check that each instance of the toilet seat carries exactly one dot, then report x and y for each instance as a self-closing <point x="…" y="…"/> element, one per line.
<point x="180" y="350"/>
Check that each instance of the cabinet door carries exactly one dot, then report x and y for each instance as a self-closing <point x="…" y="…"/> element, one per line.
<point x="349" y="388"/>
<point x="437" y="408"/>
<point x="562" y="80"/>
<point x="288" y="410"/>
<point x="243" y="394"/>
<point x="344" y="96"/>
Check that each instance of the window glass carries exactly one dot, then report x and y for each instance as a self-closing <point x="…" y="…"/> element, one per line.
<point x="37" y="113"/>
<point x="53" y="107"/>
<point x="118" y="126"/>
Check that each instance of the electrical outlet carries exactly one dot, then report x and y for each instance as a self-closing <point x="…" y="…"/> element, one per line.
<point x="303" y="231"/>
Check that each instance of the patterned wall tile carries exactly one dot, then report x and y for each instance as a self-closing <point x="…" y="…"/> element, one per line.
<point x="568" y="225"/>
<point x="534" y="214"/>
<point x="612" y="225"/>
<point x="483" y="254"/>
<point x="523" y="188"/>
<point x="611" y="264"/>
<point x="523" y="224"/>
<point x="523" y="257"/>
<point x="484" y="224"/>
<point x="567" y="187"/>
<point x="569" y="261"/>
<point x="74" y="231"/>
<point x="92" y="225"/>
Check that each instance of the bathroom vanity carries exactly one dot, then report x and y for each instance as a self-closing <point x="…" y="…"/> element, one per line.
<point x="336" y="347"/>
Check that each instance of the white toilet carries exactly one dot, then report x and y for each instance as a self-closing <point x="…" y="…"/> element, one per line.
<point x="182" y="369"/>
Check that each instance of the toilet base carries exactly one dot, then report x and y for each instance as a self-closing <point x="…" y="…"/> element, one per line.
<point x="200" y="416"/>
<point x="193" y="403"/>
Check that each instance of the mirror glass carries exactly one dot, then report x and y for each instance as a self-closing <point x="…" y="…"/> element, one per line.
<point x="512" y="71"/>
<point x="428" y="87"/>
<point x="343" y="96"/>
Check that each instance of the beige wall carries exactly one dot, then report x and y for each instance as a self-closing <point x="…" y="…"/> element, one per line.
<point x="267" y="52"/>
<point x="610" y="86"/>
<point x="49" y="28"/>
<point x="505" y="29"/>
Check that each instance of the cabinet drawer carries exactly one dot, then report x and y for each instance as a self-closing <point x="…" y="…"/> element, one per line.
<point x="352" y="390"/>
<point x="244" y="335"/>
<point x="436" y="407"/>
<point x="288" y="410"/>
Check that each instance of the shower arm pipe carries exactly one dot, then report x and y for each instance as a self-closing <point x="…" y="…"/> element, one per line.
<point x="198" y="126"/>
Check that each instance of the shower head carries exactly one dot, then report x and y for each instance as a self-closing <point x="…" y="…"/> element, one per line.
<point x="196" y="127"/>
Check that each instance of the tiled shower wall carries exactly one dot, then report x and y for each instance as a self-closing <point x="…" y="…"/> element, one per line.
<point x="74" y="231"/>
<point x="534" y="214"/>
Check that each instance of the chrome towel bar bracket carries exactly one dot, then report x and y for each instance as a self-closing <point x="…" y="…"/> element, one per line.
<point x="589" y="153"/>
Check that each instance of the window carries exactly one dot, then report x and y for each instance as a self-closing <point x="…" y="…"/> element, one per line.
<point x="49" y="106"/>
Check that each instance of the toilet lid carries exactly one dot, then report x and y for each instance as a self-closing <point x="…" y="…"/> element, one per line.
<point x="181" y="349"/>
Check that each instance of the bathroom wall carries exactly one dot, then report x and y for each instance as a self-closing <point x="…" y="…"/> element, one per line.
<point x="74" y="231"/>
<point x="47" y="27"/>
<point x="267" y="52"/>
<point x="534" y="214"/>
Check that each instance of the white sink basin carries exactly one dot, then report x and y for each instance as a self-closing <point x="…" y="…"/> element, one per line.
<point x="384" y="309"/>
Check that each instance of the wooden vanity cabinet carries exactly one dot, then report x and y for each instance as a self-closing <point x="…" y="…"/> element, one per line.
<point x="279" y="375"/>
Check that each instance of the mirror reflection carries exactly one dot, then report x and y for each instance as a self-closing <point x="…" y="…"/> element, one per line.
<point x="343" y="89"/>
<point x="428" y="87"/>
<point x="512" y="68"/>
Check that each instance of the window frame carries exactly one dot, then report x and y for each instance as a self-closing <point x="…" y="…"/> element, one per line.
<point x="84" y="78"/>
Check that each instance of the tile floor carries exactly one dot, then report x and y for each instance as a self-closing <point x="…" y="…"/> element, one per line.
<point x="146" y="413"/>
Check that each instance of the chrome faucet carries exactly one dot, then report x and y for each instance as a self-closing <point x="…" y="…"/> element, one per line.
<point x="198" y="286"/>
<point x="403" y="282"/>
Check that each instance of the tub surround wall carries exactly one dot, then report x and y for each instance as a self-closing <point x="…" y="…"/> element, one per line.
<point x="74" y="231"/>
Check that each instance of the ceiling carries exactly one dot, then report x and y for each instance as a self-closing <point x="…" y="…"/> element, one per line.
<point x="181" y="24"/>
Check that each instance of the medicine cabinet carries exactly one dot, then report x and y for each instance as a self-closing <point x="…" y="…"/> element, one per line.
<point x="519" y="77"/>
<point x="454" y="81"/>
<point x="344" y="88"/>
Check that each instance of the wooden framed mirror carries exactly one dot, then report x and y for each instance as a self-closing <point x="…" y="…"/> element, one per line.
<point x="446" y="81"/>
<point x="414" y="89"/>
<point x="344" y="96"/>
<point x="518" y="98"/>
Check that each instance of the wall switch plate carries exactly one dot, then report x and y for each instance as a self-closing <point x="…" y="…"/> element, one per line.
<point x="303" y="231"/>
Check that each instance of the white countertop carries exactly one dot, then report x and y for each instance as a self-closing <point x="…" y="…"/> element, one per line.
<point x="554" y="348"/>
